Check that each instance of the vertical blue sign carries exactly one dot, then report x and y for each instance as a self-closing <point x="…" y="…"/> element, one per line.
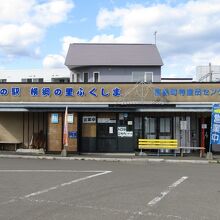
<point x="215" y="125"/>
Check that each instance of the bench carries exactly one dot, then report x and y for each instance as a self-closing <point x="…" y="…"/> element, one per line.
<point x="170" y="144"/>
<point x="158" y="144"/>
<point x="15" y="143"/>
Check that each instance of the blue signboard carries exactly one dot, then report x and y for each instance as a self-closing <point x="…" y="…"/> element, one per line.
<point x="72" y="134"/>
<point x="215" y="125"/>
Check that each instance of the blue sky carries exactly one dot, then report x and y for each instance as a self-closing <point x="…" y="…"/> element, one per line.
<point x="36" y="33"/>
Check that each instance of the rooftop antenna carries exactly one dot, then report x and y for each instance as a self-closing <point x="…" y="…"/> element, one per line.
<point x="155" y="37"/>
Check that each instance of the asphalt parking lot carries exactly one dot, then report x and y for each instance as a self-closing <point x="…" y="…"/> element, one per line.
<point x="54" y="189"/>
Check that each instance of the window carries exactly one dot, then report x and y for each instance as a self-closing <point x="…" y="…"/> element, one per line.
<point x="142" y="76"/>
<point x="85" y="77"/>
<point x="148" y="77"/>
<point x="95" y="77"/>
<point x="150" y="127"/>
<point x="34" y="80"/>
<point x="3" y="80"/>
<point x="38" y="80"/>
<point x="61" y="80"/>
<point x="26" y="80"/>
<point x="138" y="126"/>
<point x="77" y="77"/>
<point x="165" y="129"/>
<point x="165" y="125"/>
<point x="73" y="78"/>
<point x="125" y="120"/>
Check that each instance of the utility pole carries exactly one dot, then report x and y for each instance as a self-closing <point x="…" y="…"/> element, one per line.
<point x="210" y="72"/>
<point x="155" y="37"/>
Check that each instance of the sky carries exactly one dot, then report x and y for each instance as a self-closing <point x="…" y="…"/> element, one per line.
<point x="37" y="33"/>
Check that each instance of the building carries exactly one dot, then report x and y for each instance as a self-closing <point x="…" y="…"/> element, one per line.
<point x="116" y="97"/>
<point x="35" y="75"/>
<point x="114" y="63"/>
<point x="174" y="79"/>
<point x="209" y="73"/>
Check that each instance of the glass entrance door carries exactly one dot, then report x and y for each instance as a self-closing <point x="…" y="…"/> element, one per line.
<point x="107" y="141"/>
<point x="150" y="127"/>
<point x="125" y="132"/>
<point x="165" y="128"/>
<point x="106" y="132"/>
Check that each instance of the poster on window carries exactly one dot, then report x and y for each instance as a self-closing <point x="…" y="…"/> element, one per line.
<point x="111" y="130"/>
<point x="70" y="118"/>
<point x="215" y="125"/>
<point x="122" y="132"/>
<point x="54" y="118"/>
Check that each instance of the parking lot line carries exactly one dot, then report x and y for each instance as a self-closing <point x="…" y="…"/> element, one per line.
<point x="64" y="184"/>
<point x="53" y="171"/>
<point x="97" y="173"/>
<point x="166" y="192"/>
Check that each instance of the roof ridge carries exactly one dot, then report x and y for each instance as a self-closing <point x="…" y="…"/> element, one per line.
<point x="112" y="44"/>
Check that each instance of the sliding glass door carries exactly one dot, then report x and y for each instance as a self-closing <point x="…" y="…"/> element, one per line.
<point x="150" y="127"/>
<point x="165" y="128"/>
<point x="158" y="128"/>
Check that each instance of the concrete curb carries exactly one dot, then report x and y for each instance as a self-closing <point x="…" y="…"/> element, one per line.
<point x="214" y="161"/>
<point x="44" y="157"/>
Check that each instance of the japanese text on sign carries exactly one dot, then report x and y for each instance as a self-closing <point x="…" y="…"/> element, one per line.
<point x="215" y="125"/>
<point x="186" y="92"/>
<point x="67" y="92"/>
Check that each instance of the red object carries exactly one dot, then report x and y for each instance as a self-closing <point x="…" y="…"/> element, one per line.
<point x="202" y="135"/>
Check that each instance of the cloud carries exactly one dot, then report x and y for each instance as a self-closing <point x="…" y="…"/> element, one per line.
<point x="107" y="18"/>
<point x="15" y="11"/>
<point x="185" y="30"/>
<point x="57" y="60"/>
<point x="53" y="61"/>
<point x="23" y="24"/>
<point x="67" y="40"/>
<point x="51" y="12"/>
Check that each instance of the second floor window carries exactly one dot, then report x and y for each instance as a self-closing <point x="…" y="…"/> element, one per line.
<point x="77" y="77"/>
<point x="142" y="77"/>
<point x="85" y="77"/>
<point x="95" y="77"/>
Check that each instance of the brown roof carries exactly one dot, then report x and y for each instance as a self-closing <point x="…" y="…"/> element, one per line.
<point x="85" y="54"/>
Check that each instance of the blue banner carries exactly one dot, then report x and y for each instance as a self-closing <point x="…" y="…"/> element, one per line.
<point x="215" y="125"/>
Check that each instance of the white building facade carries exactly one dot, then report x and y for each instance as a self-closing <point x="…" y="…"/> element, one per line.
<point x="35" y="75"/>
